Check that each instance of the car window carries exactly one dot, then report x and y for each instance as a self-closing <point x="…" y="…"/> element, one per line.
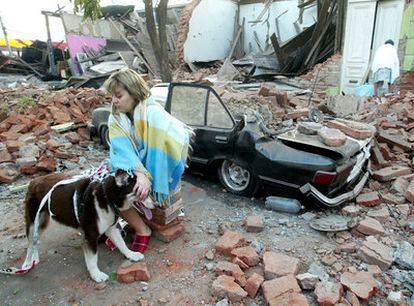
<point x="188" y="104"/>
<point x="217" y="116"/>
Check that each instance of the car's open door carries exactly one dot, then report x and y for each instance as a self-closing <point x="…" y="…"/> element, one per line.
<point x="200" y="107"/>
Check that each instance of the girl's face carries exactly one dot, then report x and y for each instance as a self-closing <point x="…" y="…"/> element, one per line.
<point x="122" y="100"/>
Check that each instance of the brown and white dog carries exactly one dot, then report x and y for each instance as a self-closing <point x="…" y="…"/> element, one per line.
<point x="93" y="207"/>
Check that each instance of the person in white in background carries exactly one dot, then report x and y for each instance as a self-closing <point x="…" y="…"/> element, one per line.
<point x="385" y="66"/>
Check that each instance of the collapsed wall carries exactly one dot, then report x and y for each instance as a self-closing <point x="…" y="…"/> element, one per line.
<point x="183" y="30"/>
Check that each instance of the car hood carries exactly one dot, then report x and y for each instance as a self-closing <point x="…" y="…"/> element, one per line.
<point x="351" y="147"/>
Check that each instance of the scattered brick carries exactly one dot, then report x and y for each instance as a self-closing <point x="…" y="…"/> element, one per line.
<point x="296" y="299"/>
<point x="382" y="214"/>
<point x="307" y="281"/>
<point x="247" y="254"/>
<point x="296" y="114"/>
<point x="8" y="175"/>
<point x="278" y="264"/>
<point x="352" y="129"/>
<point x="370" y="226"/>
<point x="225" y="287"/>
<point x="352" y="298"/>
<point x="351" y="210"/>
<point x="409" y="194"/>
<point x="5" y="156"/>
<point x="390" y="173"/>
<point x="231" y="269"/>
<point x="278" y="286"/>
<point x="376" y="253"/>
<point x="170" y="233"/>
<point x="368" y="199"/>
<point x="253" y="284"/>
<point x="394" y="141"/>
<point x="240" y="263"/>
<point x="130" y="272"/>
<point x="254" y="224"/>
<point x="328" y="293"/>
<point x="361" y="283"/>
<point x="229" y="241"/>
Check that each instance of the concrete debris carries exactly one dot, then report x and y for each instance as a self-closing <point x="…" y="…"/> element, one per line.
<point x="404" y="255"/>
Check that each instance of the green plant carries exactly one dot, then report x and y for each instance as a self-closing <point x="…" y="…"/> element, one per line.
<point x="25" y="101"/>
<point x="4" y="109"/>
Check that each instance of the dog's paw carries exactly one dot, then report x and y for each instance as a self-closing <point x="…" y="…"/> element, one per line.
<point x="135" y="256"/>
<point x="100" y="277"/>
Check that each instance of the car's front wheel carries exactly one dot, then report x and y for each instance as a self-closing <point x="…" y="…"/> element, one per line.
<point x="236" y="179"/>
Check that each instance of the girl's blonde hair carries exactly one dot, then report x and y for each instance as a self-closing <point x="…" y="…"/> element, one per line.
<point x="131" y="81"/>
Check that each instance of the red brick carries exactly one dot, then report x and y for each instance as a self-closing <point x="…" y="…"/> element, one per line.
<point x="278" y="286"/>
<point x="369" y="199"/>
<point x="328" y="293"/>
<point x="63" y="154"/>
<point x="299" y="113"/>
<point x="231" y="269"/>
<point x="41" y="129"/>
<point x="382" y="214"/>
<point x="385" y="151"/>
<point x="332" y="137"/>
<point x="278" y="264"/>
<point x="13" y="145"/>
<point x="73" y="137"/>
<point x="370" y="226"/>
<point x="360" y="283"/>
<point x="376" y="253"/>
<point x="240" y="263"/>
<point x="393" y="198"/>
<point x="352" y="129"/>
<point x="229" y="241"/>
<point x="170" y="233"/>
<point x="352" y="298"/>
<point x="263" y="91"/>
<point x="225" y="287"/>
<point x="409" y="194"/>
<point x="5" y="156"/>
<point x="130" y="272"/>
<point x="46" y="163"/>
<point x="247" y="254"/>
<point x="84" y="133"/>
<point x="390" y="173"/>
<point x="8" y="175"/>
<point x="394" y="140"/>
<point x="254" y="224"/>
<point x="253" y="284"/>
<point x="399" y="186"/>
<point x="53" y="144"/>
<point x="349" y="247"/>
<point x="289" y="299"/>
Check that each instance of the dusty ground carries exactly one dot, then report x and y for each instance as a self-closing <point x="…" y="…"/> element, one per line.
<point x="179" y="270"/>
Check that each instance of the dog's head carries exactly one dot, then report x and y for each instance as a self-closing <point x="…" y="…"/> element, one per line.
<point x="119" y="187"/>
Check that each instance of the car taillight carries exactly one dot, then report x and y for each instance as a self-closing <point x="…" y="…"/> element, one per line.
<point x="324" y="178"/>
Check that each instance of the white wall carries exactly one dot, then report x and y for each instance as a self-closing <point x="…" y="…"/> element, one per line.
<point x="267" y="27"/>
<point x="211" y="31"/>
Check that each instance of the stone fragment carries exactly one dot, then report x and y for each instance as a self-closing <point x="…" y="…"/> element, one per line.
<point x="349" y="247"/>
<point x="396" y="298"/>
<point x="229" y="241"/>
<point x="278" y="264"/>
<point x="352" y="129"/>
<point x="376" y="253"/>
<point x="390" y="173"/>
<point x="332" y="137"/>
<point x="351" y="210"/>
<point x="171" y="233"/>
<point x="381" y="214"/>
<point x="403" y="209"/>
<point x="328" y="293"/>
<point x="409" y="194"/>
<point x="370" y="226"/>
<point x="29" y="151"/>
<point x="8" y="173"/>
<point x="5" y="156"/>
<point x="399" y="186"/>
<point x="361" y="283"/>
<point x="225" y="287"/>
<point x="317" y="269"/>
<point x="247" y="254"/>
<point x="254" y="224"/>
<point x="278" y="286"/>
<point x="368" y="199"/>
<point x="73" y="137"/>
<point x="307" y="281"/>
<point x="26" y="161"/>
<point x="352" y="298"/>
<point x="404" y="255"/>
<point x="253" y="284"/>
<point x="231" y="269"/>
<point x="374" y="270"/>
<point x="130" y="272"/>
<point x="289" y="299"/>
<point x="393" y="198"/>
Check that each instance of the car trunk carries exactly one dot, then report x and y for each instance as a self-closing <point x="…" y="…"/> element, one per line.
<point x="351" y="158"/>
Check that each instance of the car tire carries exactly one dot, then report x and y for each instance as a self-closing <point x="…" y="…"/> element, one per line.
<point x="236" y="179"/>
<point x="104" y="135"/>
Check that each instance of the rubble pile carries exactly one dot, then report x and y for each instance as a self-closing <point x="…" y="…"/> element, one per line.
<point x="31" y="124"/>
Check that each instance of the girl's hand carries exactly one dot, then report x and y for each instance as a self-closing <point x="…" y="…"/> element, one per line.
<point x="142" y="187"/>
